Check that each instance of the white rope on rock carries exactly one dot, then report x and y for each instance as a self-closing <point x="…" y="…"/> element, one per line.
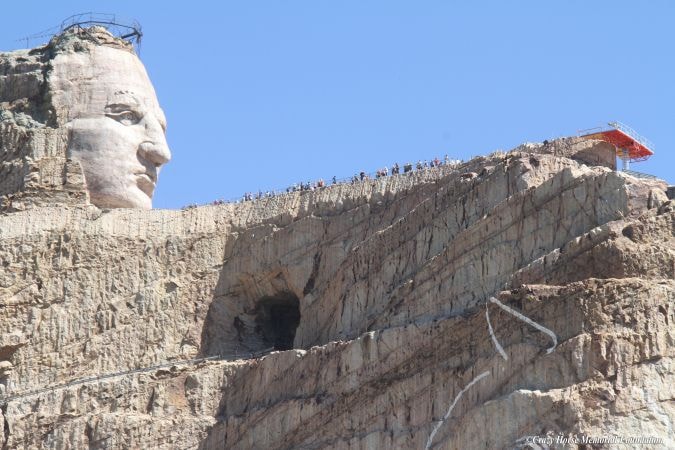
<point x="528" y="321"/>
<point x="500" y="349"/>
<point x="447" y="414"/>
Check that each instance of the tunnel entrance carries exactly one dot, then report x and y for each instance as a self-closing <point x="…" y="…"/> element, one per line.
<point x="277" y="319"/>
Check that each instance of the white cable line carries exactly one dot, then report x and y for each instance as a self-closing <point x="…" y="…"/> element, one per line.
<point x="528" y="321"/>
<point x="133" y="371"/>
<point x="447" y="414"/>
<point x="500" y="349"/>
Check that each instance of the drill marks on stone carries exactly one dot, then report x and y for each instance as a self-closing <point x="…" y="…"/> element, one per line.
<point x="452" y="406"/>
<point x="528" y="321"/>
<point x="500" y="349"/>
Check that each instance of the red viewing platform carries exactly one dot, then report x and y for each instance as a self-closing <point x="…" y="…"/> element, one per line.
<point x="628" y="143"/>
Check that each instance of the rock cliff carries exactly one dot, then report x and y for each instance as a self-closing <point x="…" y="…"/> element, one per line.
<point x="528" y="293"/>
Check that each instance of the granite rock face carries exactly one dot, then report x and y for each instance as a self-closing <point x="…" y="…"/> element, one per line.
<point x="473" y="305"/>
<point x="79" y="123"/>
<point x="467" y="306"/>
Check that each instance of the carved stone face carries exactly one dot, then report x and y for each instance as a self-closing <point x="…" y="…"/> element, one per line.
<point x="116" y="127"/>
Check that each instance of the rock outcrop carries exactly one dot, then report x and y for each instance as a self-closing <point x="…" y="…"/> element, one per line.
<point x="79" y="124"/>
<point x="535" y="297"/>
<point x="34" y="169"/>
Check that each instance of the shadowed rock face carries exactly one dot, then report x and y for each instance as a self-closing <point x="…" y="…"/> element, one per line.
<point x="277" y="319"/>
<point x="381" y="288"/>
<point x="83" y="102"/>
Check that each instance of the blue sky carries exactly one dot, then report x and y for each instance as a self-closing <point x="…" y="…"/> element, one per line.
<point x="262" y="94"/>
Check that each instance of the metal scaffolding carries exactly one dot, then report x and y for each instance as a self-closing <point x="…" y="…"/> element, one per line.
<point x="630" y="146"/>
<point x="129" y="30"/>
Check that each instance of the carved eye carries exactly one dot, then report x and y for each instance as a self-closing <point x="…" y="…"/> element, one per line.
<point x="124" y="114"/>
<point x="125" y="117"/>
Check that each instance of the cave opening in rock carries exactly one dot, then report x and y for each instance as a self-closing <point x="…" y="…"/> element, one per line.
<point x="277" y="319"/>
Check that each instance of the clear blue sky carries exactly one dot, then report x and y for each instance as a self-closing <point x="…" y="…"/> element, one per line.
<point x="262" y="94"/>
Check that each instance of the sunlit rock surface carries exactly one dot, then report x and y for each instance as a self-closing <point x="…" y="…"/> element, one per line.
<point x="79" y="123"/>
<point x="528" y="293"/>
<point x="378" y="290"/>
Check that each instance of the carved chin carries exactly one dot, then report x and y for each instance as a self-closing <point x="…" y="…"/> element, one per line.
<point x="133" y="198"/>
<point x="145" y="185"/>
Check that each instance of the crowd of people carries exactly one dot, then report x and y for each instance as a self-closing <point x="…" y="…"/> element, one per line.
<point x="359" y="177"/>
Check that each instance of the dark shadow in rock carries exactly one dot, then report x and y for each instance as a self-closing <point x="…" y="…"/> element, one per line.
<point x="277" y="318"/>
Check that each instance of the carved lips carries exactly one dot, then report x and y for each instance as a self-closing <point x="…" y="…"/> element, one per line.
<point x="146" y="182"/>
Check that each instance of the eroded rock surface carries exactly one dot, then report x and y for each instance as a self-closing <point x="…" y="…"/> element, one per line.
<point x="430" y="310"/>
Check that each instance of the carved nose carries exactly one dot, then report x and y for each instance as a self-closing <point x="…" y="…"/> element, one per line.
<point x="156" y="153"/>
<point x="155" y="150"/>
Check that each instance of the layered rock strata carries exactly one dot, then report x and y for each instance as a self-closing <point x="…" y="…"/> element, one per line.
<point x="469" y="306"/>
